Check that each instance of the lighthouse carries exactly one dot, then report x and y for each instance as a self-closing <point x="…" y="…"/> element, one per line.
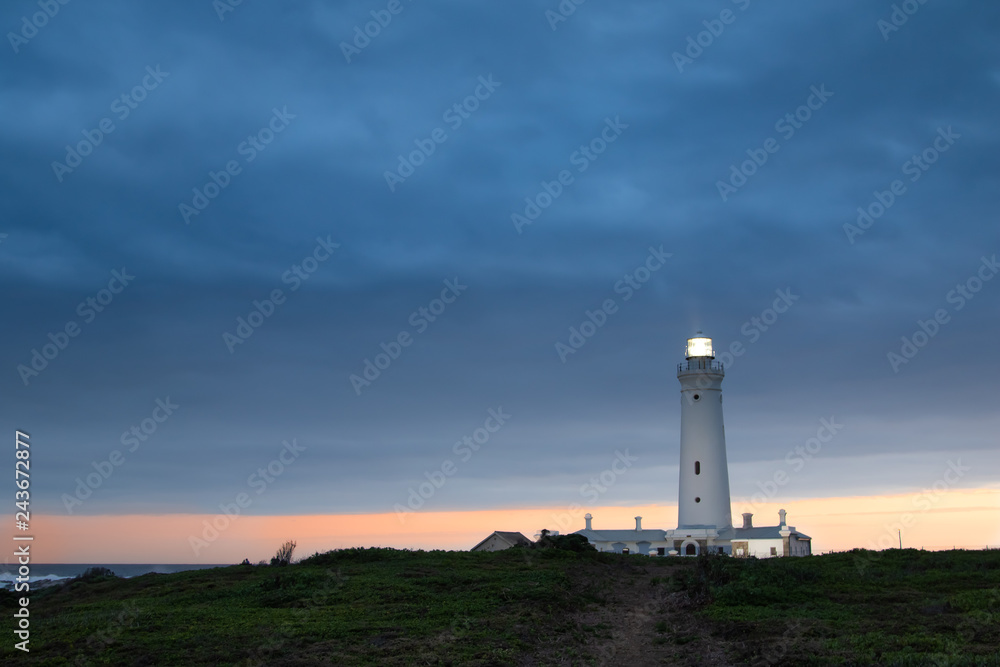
<point x="704" y="517"/>
<point x="703" y="491"/>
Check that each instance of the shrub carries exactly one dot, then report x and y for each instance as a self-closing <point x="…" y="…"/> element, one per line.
<point x="577" y="543"/>
<point x="284" y="555"/>
<point x="356" y="555"/>
<point x="96" y="574"/>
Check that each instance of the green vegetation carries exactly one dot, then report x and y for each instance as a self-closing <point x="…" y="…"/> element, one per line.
<point x="546" y="606"/>
<point x="897" y="607"/>
<point x="571" y="542"/>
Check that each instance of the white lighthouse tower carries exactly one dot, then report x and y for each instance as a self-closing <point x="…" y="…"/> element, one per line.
<point x="704" y="517"/>
<point x="703" y="495"/>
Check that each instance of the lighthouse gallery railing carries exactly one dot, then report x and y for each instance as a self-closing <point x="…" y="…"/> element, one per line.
<point x="700" y="365"/>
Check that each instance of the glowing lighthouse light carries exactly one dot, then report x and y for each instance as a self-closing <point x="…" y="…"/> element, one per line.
<point x="699" y="346"/>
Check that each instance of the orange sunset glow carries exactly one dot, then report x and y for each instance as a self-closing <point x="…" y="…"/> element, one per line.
<point x="960" y="518"/>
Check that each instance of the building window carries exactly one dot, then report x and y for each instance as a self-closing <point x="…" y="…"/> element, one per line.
<point x="697" y="397"/>
<point x="721" y="550"/>
<point x="661" y="551"/>
<point x="697" y="500"/>
<point x="774" y="551"/>
<point x="697" y="467"/>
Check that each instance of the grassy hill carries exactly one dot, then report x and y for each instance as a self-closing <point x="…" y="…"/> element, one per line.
<point x="530" y="607"/>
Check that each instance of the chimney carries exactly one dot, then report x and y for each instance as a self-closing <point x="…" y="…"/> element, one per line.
<point x="748" y="519"/>
<point x="638" y="523"/>
<point x="781" y="517"/>
<point x="587" y="517"/>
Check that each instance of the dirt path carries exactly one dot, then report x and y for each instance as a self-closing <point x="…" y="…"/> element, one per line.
<point x="638" y="622"/>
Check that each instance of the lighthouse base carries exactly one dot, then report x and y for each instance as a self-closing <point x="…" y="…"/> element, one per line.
<point x="745" y="542"/>
<point x="697" y="541"/>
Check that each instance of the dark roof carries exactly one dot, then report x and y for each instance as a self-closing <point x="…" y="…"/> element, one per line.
<point x="625" y="535"/>
<point x="757" y="533"/>
<point x="763" y="533"/>
<point x="513" y="538"/>
<point x="655" y="535"/>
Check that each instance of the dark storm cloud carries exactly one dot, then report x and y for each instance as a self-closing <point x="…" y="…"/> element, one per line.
<point x="323" y="176"/>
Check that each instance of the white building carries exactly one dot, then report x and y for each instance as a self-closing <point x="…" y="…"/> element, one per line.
<point x="767" y="541"/>
<point x="704" y="514"/>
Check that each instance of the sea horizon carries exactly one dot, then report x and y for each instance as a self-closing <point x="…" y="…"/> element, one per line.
<point x="62" y="571"/>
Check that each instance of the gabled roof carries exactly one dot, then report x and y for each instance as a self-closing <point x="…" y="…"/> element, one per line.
<point x="764" y="533"/>
<point x="656" y="535"/>
<point x="512" y="538"/>
<point x="650" y="535"/>
<point x="757" y="533"/>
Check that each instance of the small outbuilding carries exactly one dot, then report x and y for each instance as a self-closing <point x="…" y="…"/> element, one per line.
<point x="502" y="539"/>
<point x="769" y="541"/>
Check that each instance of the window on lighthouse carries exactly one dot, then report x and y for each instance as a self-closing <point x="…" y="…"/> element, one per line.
<point x="697" y="467"/>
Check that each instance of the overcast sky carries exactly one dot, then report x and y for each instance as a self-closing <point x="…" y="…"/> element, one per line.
<point x="630" y="138"/>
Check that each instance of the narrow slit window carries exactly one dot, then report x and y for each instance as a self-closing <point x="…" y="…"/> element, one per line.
<point x="697" y="467"/>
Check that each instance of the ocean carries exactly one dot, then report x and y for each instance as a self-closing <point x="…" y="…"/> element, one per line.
<point x="63" y="571"/>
